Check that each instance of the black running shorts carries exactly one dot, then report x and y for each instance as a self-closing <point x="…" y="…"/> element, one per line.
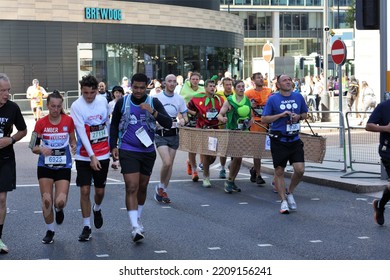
<point x="136" y="162"/>
<point x="283" y="152"/>
<point x="7" y="175"/>
<point x="54" y="174"/>
<point x="85" y="173"/>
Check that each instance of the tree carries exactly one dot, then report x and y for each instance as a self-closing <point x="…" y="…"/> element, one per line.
<point x="350" y="14"/>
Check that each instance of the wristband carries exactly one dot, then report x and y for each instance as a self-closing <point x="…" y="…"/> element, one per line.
<point x="13" y="140"/>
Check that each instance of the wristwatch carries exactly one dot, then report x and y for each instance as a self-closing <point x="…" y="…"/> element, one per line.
<point x="13" y="140"/>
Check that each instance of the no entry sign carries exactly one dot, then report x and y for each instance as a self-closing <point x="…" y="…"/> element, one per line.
<point x="268" y="52"/>
<point x="339" y="52"/>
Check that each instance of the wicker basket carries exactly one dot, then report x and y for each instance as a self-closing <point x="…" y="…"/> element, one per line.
<point x="235" y="143"/>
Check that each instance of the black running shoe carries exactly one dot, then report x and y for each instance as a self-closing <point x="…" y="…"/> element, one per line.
<point x="252" y="171"/>
<point x="85" y="234"/>
<point x="379" y="217"/>
<point x="59" y="216"/>
<point x="48" y="239"/>
<point x="97" y="218"/>
<point x="260" y="180"/>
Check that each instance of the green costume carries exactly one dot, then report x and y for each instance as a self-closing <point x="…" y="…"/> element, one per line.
<point x="240" y="112"/>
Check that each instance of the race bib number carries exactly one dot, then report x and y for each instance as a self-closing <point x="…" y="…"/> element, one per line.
<point x="211" y="115"/>
<point x="143" y="136"/>
<point x="293" y="128"/>
<point x="259" y="111"/>
<point x="57" y="158"/>
<point x="98" y="133"/>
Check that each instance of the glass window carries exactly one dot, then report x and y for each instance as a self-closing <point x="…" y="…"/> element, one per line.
<point x="279" y="2"/>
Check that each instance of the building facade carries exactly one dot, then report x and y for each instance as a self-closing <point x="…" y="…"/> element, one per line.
<point x="294" y="27"/>
<point x="58" y="41"/>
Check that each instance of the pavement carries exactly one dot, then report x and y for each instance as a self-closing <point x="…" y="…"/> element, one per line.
<point x="328" y="173"/>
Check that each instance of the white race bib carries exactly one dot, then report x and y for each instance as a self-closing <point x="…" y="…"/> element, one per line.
<point x="55" y="160"/>
<point x="143" y="136"/>
<point x="293" y="128"/>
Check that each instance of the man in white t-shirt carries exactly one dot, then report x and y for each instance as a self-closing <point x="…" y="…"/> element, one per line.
<point x="167" y="140"/>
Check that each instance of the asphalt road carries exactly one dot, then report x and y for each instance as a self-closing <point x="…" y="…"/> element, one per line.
<point x="199" y="224"/>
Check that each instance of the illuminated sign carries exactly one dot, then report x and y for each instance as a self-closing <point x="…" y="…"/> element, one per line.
<point x="103" y="14"/>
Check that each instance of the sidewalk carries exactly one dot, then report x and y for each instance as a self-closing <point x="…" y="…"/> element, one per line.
<point x="365" y="179"/>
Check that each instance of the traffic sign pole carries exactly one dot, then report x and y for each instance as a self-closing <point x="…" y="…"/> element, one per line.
<point x="339" y="55"/>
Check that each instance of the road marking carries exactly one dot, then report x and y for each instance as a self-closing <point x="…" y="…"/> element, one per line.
<point x="123" y="208"/>
<point x="362" y="199"/>
<point x="243" y="203"/>
<point x="166" y="207"/>
<point x="315" y="199"/>
<point x="214" y="248"/>
<point x="364" y="237"/>
<point x="205" y="205"/>
<point x="103" y="256"/>
<point x="265" y="245"/>
<point x="315" y="241"/>
<point x="161" y="252"/>
<point x="38" y="212"/>
<point x="115" y="180"/>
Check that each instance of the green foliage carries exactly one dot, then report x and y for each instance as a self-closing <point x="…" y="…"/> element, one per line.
<point x="350" y="14"/>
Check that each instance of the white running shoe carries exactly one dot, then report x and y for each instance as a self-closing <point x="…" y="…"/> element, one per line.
<point x="3" y="248"/>
<point x="137" y="234"/>
<point x="284" y="207"/>
<point x="141" y="226"/>
<point x="291" y="202"/>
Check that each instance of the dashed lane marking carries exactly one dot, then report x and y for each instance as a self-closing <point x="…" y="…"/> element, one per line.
<point x="265" y="245"/>
<point x="205" y="205"/>
<point x="161" y="252"/>
<point x="315" y="199"/>
<point x="214" y="248"/>
<point x="363" y="237"/>
<point x="316" y="241"/>
<point x="103" y="256"/>
<point x="38" y="212"/>
<point x="362" y="199"/>
<point x="243" y="203"/>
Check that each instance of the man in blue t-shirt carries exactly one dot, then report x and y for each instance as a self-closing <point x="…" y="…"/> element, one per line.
<point x="379" y="121"/>
<point x="283" y="111"/>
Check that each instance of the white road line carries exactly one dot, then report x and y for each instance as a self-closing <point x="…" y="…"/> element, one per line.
<point x="214" y="248"/>
<point x="123" y="208"/>
<point x="38" y="212"/>
<point x="363" y="237"/>
<point x="205" y="205"/>
<point x="103" y="256"/>
<point x="362" y="199"/>
<point x="315" y="199"/>
<point x="166" y="207"/>
<point x="315" y="241"/>
<point x="265" y="245"/>
<point x="243" y="203"/>
<point x="161" y="252"/>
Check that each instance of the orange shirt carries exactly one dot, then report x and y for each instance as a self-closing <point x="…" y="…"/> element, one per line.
<point x="260" y="97"/>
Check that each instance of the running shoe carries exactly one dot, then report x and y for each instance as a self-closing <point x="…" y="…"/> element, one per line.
<point x="140" y="226"/>
<point x="200" y="167"/>
<point x="284" y="207"/>
<point x="235" y="187"/>
<point x="48" y="239"/>
<point x="195" y="176"/>
<point x="252" y="171"/>
<point x="229" y="185"/>
<point x="189" y="168"/>
<point x="259" y="180"/>
<point x="85" y="234"/>
<point x="291" y="202"/>
<point x="379" y="213"/>
<point x="59" y="216"/>
<point x="137" y="235"/>
<point x="3" y="248"/>
<point x="161" y="196"/>
<point x="206" y="183"/>
<point x="115" y="165"/>
<point x="222" y="174"/>
<point x="97" y="218"/>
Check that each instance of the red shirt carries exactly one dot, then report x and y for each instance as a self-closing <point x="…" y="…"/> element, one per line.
<point x="207" y="110"/>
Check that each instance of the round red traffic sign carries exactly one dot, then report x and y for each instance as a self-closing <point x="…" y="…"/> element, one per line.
<point x="339" y="52"/>
<point x="268" y="52"/>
